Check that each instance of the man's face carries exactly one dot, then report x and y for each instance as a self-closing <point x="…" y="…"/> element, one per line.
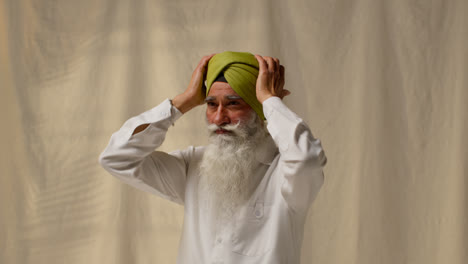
<point x="226" y="107"/>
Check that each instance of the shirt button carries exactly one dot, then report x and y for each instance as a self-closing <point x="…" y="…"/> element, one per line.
<point x="257" y="213"/>
<point x="219" y="240"/>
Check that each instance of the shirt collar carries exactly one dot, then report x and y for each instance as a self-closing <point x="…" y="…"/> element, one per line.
<point x="266" y="151"/>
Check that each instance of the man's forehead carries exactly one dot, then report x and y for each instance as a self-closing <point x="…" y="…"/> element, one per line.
<point x="222" y="90"/>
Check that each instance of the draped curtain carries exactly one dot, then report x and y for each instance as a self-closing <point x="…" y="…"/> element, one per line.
<point x="383" y="84"/>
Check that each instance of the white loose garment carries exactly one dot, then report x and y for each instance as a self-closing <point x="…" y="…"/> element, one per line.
<point x="268" y="229"/>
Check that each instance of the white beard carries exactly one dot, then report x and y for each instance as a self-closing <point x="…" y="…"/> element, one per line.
<point x="228" y="165"/>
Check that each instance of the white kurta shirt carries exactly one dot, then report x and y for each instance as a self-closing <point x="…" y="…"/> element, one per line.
<point x="269" y="228"/>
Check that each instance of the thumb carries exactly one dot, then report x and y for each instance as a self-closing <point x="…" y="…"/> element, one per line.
<point x="285" y="93"/>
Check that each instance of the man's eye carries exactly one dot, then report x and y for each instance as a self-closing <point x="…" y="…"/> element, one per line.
<point x="233" y="103"/>
<point x="211" y="104"/>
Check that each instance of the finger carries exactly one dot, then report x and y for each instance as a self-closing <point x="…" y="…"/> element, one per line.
<point x="263" y="66"/>
<point x="206" y="58"/>
<point x="271" y="64"/>
<point x="282" y="80"/>
<point x="277" y="65"/>
<point x="201" y="64"/>
<point x="209" y="56"/>
<point x="204" y="62"/>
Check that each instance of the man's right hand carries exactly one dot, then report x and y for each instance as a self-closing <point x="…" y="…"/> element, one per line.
<point x="195" y="93"/>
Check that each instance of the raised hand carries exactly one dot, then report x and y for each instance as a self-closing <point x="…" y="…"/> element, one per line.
<point x="194" y="95"/>
<point x="270" y="81"/>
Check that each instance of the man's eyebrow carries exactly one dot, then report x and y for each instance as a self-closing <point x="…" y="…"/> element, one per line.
<point x="233" y="97"/>
<point x="209" y="99"/>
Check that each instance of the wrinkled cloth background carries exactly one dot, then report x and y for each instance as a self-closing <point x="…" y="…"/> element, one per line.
<point x="383" y="84"/>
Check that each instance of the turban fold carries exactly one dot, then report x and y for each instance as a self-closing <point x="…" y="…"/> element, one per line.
<point x="240" y="70"/>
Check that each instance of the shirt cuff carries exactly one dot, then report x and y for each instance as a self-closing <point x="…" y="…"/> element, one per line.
<point x="270" y="104"/>
<point x="164" y="110"/>
<point x="175" y="113"/>
<point x="162" y="116"/>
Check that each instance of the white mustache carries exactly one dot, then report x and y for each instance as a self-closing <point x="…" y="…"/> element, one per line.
<point x="232" y="128"/>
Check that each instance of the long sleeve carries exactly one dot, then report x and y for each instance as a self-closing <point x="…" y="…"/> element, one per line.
<point x="133" y="159"/>
<point x="301" y="155"/>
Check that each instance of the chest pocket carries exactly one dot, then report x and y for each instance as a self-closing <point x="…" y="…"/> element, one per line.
<point x="251" y="231"/>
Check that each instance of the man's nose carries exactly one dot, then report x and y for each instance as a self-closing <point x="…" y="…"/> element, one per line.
<point x="221" y="118"/>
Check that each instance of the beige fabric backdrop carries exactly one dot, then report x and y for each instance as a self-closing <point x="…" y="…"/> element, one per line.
<point x="383" y="84"/>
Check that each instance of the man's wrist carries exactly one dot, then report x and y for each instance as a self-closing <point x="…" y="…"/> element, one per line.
<point x="182" y="103"/>
<point x="269" y="98"/>
<point x="264" y="98"/>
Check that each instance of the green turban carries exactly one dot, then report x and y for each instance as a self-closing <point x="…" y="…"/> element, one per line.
<point x="240" y="70"/>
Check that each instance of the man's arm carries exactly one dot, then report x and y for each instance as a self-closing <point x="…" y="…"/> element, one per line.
<point x="131" y="158"/>
<point x="196" y="90"/>
<point x="301" y="155"/>
<point x="195" y="93"/>
<point x="130" y="154"/>
<point x="140" y="128"/>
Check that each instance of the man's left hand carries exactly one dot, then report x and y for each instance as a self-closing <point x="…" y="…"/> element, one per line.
<point x="270" y="81"/>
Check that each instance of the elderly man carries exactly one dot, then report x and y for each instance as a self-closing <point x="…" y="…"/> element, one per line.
<point x="246" y="194"/>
